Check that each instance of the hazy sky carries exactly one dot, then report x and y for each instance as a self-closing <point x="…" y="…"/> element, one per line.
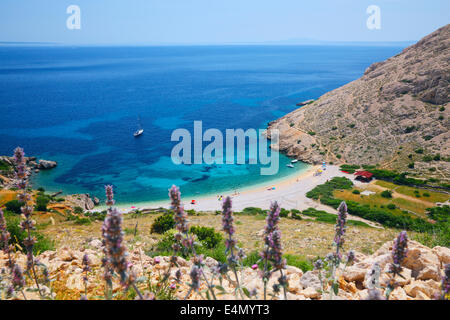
<point x="218" y="21"/>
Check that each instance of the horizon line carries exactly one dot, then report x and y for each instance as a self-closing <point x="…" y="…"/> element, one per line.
<point x="182" y="44"/>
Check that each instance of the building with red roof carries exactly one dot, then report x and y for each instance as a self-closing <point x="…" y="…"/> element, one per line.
<point x="364" y="176"/>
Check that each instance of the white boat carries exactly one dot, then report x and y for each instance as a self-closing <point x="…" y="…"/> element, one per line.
<point x="139" y="131"/>
<point x="294" y="161"/>
<point x="290" y="165"/>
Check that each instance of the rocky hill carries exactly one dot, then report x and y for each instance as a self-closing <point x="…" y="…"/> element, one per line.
<point x="396" y="108"/>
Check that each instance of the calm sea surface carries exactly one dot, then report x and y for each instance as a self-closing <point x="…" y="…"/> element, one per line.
<point x="79" y="106"/>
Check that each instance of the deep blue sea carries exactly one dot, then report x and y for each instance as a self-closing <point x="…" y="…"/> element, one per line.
<point x="79" y="106"/>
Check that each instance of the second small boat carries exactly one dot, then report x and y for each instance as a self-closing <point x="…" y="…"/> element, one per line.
<point x="139" y="131"/>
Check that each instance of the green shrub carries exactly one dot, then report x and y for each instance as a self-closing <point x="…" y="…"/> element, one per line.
<point x="311" y="133"/>
<point x="164" y="248"/>
<point x="419" y="151"/>
<point x="356" y="191"/>
<point x="208" y="236"/>
<point x="252" y="211"/>
<point x="252" y="258"/>
<point x="426" y="194"/>
<point x="78" y="220"/>
<point x="95" y="215"/>
<point x="295" y="214"/>
<point x="4" y="166"/>
<point x="323" y="216"/>
<point x="17" y="235"/>
<point x="350" y="168"/>
<point x="386" y="194"/>
<point x="41" y="203"/>
<point x="411" y="165"/>
<point x="78" y="210"/>
<point x="410" y="129"/>
<point x="299" y="262"/>
<point x="162" y="224"/>
<point x="391" y="206"/>
<point x="284" y="213"/>
<point x="14" y="206"/>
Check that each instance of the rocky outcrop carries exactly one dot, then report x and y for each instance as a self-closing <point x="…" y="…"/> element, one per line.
<point x="398" y="105"/>
<point x="46" y="164"/>
<point x="83" y="201"/>
<point x="65" y="266"/>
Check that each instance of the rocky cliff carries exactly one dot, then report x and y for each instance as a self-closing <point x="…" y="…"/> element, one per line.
<point x="397" y="106"/>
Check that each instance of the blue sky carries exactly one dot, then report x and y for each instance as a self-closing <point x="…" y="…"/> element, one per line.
<point x="216" y="22"/>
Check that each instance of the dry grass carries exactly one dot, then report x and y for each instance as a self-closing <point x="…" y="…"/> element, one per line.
<point x="410" y="191"/>
<point x="6" y="196"/>
<point x="301" y="237"/>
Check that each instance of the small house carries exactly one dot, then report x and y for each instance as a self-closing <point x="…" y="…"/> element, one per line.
<point x="364" y="176"/>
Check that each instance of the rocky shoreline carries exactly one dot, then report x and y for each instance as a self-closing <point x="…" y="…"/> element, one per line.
<point x="33" y="165"/>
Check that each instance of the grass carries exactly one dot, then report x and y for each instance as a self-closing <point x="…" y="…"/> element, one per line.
<point x="322" y="216"/>
<point x="376" y="201"/>
<point x="410" y="191"/>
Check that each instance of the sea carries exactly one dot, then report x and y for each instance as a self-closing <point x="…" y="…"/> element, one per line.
<point x="80" y="105"/>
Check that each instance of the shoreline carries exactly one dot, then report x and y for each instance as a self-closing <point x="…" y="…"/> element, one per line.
<point x="127" y="206"/>
<point x="290" y="192"/>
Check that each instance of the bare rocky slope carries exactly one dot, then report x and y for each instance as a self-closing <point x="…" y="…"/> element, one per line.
<point x="397" y="106"/>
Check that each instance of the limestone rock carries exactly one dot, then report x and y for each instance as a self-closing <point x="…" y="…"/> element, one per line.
<point x="310" y="280"/>
<point x="398" y="294"/>
<point x="96" y="243"/>
<point x="310" y="293"/>
<point x="429" y="272"/>
<point x="414" y="287"/>
<point x="443" y="254"/>
<point x="292" y="269"/>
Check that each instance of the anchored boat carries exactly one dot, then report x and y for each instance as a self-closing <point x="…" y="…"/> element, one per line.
<point x="139" y="131"/>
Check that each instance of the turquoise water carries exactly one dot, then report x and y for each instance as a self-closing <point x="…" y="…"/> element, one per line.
<point x="79" y="106"/>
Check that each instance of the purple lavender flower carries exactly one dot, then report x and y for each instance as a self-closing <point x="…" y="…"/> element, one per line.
<point x="399" y="251"/>
<point x="86" y="263"/>
<point x="276" y="254"/>
<point x="350" y="257"/>
<point x="4" y="234"/>
<point x="178" y="275"/>
<point x="114" y="243"/>
<point x="227" y="217"/>
<point x="228" y="228"/>
<point x="109" y="195"/>
<point x="318" y="264"/>
<point x="446" y="282"/>
<point x="340" y="225"/>
<point x="180" y="217"/>
<point x="18" y="281"/>
<point x="195" y="277"/>
<point x="272" y="218"/>
<point x="116" y="254"/>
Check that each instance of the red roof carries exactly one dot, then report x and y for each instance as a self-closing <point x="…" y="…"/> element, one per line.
<point x="365" y="174"/>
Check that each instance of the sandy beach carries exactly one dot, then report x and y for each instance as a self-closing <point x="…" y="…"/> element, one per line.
<point x="290" y="194"/>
